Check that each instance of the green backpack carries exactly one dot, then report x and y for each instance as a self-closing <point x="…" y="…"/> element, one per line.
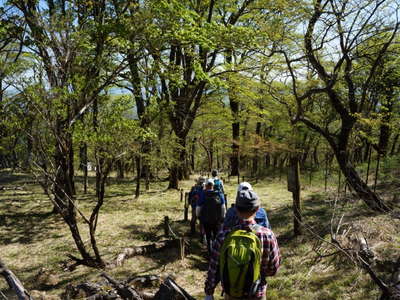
<point x="240" y="262"/>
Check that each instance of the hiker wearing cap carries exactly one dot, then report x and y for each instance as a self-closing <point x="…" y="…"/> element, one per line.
<point x="231" y="218"/>
<point x="194" y="196"/>
<point x="243" y="256"/>
<point x="211" y="211"/>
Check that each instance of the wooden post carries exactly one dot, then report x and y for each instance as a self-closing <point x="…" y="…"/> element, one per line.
<point x="182" y="248"/>
<point x="294" y="187"/>
<point x="181" y="195"/>
<point x="166" y="226"/>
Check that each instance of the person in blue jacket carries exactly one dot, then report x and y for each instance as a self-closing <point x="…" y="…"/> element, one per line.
<point x="211" y="212"/>
<point x="231" y="217"/>
<point x="195" y="194"/>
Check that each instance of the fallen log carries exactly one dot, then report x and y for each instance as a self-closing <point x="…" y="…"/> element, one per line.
<point x="124" y="290"/>
<point x="146" y="249"/>
<point x="144" y="281"/>
<point x="170" y="290"/>
<point x="109" y="289"/>
<point x="87" y="290"/>
<point x="14" y="283"/>
<point x="11" y="188"/>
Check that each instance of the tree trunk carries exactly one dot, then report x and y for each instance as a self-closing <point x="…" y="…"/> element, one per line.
<point x="138" y="175"/>
<point x="179" y="170"/>
<point x="315" y="155"/>
<point x="62" y="188"/>
<point x="192" y="154"/>
<point x="211" y="150"/>
<point x="87" y="260"/>
<point x="295" y="189"/>
<point x="267" y="161"/>
<point x="275" y="159"/>
<point x="29" y="147"/>
<point x="234" y="105"/>
<point x="360" y="187"/>
<point x="84" y="165"/>
<point x="256" y="152"/>
<point x="173" y="178"/>
<point x="71" y="168"/>
<point x="366" y="151"/>
<point x="385" y="129"/>
<point x="120" y="169"/>
<point x="392" y="150"/>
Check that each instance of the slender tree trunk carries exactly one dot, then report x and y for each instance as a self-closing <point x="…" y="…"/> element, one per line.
<point x="385" y="130"/>
<point x="192" y="154"/>
<point x="267" y="161"/>
<point x="315" y="155"/>
<point x="87" y="259"/>
<point x="71" y="168"/>
<point x="392" y="150"/>
<point x="120" y="169"/>
<point x="378" y="160"/>
<point x="366" y="151"/>
<point x="234" y="105"/>
<point x="275" y="159"/>
<point x="360" y="187"/>
<point x="295" y="189"/>
<point x="211" y="150"/>
<point x="256" y="152"/>
<point x="29" y="148"/>
<point x="84" y="165"/>
<point x="369" y="163"/>
<point x="235" y="149"/>
<point x="138" y="175"/>
<point x="147" y="182"/>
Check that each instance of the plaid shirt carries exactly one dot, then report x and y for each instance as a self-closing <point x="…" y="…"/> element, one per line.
<point x="270" y="260"/>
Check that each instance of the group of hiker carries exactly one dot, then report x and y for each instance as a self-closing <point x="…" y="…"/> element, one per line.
<point x="241" y="246"/>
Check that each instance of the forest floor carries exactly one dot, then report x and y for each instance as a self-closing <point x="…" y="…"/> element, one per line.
<point x="34" y="243"/>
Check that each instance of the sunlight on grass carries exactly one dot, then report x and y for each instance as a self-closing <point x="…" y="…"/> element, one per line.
<point x="32" y="238"/>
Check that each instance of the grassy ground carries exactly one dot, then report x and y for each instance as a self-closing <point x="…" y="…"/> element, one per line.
<point x="34" y="243"/>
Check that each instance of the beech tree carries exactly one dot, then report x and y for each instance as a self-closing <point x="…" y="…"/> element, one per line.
<point x="72" y="66"/>
<point x="332" y="46"/>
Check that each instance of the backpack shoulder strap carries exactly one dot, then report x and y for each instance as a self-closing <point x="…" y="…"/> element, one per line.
<point x="258" y="228"/>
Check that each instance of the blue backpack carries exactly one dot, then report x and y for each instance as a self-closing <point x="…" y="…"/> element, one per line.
<point x="231" y="218"/>
<point x="194" y="194"/>
<point x="218" y="185"/>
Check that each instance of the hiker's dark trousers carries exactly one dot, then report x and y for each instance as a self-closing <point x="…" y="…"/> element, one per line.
<point x="211" y="231"/>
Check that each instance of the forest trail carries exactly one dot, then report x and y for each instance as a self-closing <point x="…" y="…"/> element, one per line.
<point x="33" y="240"/>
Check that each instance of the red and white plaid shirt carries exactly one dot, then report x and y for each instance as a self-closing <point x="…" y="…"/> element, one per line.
<point x="270" y="259"/>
